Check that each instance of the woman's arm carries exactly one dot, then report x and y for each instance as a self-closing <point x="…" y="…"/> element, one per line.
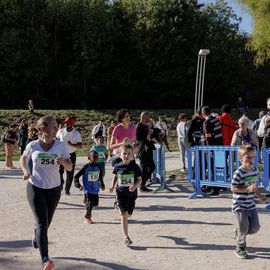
<point x="26" y="173"/>
<point x="114" y="145"/>
<point x="64" y="162"/>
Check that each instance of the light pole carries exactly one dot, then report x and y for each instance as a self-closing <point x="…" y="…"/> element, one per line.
<point x="200" y="78"/>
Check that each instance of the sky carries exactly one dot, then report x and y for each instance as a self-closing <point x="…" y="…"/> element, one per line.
<point x="240" y="10"/>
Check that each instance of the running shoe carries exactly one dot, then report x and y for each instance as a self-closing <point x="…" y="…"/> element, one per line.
<point x="128" y="242"/>
<point x="241" y="253"/>
<point x="48" y="265"/>
<point x="88" y="221"/>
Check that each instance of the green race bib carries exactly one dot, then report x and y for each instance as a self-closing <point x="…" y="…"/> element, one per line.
<point x="125" y="180"/>
<point x="46" y="159"/>
<point x="93" y="176"/>
<point x="250" y="179"/>
<point x="101" y="155"/>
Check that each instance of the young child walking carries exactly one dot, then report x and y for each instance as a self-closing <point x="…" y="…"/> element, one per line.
<point x="92" y="182"/>
<point x="244" y="189"/>
<point x="103" y="153"/>
<point x="128" y="178"/>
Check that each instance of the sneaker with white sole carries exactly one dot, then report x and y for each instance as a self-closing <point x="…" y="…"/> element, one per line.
<point x="241" y="253"/>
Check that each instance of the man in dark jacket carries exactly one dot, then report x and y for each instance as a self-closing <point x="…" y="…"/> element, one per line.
<point x="194" y="131"/>
<point x="213" y="136"/>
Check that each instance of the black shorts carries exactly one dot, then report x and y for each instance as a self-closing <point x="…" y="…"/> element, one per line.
<point x="91" y="198"/>
<point x="126" y="201"/>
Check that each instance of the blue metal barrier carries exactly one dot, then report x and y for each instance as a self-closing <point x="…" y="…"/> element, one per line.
<point x="213" y="166"/>
<point x="160" y="171"/>
<point x="265" y="174"/>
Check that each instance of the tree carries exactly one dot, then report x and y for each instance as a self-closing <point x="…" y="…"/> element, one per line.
<point x="260" y="41"/>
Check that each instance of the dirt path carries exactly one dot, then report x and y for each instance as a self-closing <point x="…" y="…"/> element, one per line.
<point x="168" y="230"/>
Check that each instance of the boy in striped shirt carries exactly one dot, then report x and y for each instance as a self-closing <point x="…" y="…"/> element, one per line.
<point x="244" y="189"/>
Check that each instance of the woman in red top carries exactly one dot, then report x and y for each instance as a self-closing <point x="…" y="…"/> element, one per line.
<point x="228" y="126"/>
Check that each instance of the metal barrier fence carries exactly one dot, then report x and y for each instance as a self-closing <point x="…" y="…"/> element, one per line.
<point x="213" y="166"/>
<point x="160" y="171"/>
<point x="266" y="173"/>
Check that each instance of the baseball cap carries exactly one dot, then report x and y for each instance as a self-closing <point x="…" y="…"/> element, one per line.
<point x="69" y="121"/>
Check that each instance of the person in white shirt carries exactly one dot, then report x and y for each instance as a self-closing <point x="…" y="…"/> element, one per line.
<point x="260" y="131"/>
<point x="44" y="185"/>
<point x="163" y="127"/>
<point x="181" y="130"/>
<point x="73" y="141"/>
<point x="98" y="131"/>
<point x="250" y="122"/>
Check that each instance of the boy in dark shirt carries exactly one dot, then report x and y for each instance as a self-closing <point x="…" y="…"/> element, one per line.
<point x="92" y="182"/>
<point x="128" y="179"/>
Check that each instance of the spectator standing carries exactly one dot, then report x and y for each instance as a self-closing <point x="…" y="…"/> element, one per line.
<point x="23" y="135"/>
<point x="73" y="141"/>
<point x="260" y="131"/>
<point x="144" y="133"/>
<point x="255" y="127"/>
<point x="240" y="106"/>
<point x="98" y="130"/>
<point x="181" y="130"/>
<point x="30" y="106"/>
<point x="109" y="135"/>
<point x="163" y="127"/>
<point x="213" y="136"/>
<point x="195" y="131"/>
<point x="10" y="139"/>
<point x="244" y="135"/>
<point x="266" y="137"/>
<point x="228" y="126"/>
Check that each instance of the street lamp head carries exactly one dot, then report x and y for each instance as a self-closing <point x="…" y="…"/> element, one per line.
<point x="203" y="52"/>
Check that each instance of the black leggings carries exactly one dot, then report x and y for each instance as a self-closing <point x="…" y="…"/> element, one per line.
<point x="147" y="166"/>
<point x="43" y="203"/>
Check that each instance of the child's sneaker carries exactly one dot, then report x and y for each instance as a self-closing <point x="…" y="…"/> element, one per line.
<point x="241" y="253"/>
<point x="128" y="242"/>
<point x="235" y="233"/>
<point x="48" y="265"/>
<point x="88" y="221"/>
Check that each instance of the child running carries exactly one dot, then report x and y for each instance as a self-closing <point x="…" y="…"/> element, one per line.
<point x="244" y="189"/>
<point x="128" y="178"/>
<point x="92" y="182"/>
<point x="103" y="153"/>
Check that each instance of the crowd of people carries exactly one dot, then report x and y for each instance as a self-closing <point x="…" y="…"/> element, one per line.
<point x="47" y="151"/>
